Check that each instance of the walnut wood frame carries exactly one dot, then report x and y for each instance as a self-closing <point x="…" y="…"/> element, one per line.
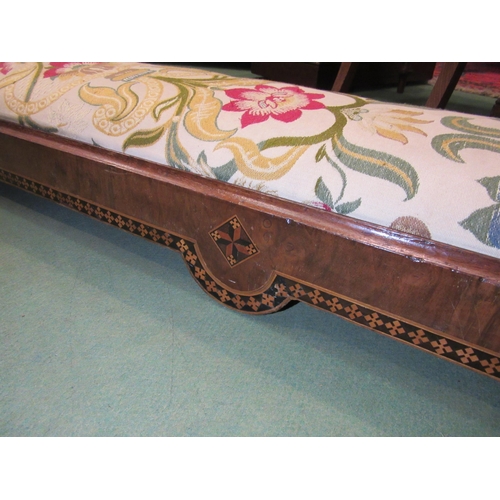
<point x="256" y="253"/>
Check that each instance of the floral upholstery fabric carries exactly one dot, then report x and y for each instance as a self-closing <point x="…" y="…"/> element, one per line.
<point x="429" y="172"/>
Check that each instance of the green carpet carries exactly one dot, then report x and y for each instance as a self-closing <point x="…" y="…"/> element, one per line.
<point x="105" y="334"/>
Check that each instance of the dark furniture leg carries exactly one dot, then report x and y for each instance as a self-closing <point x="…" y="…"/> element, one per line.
<point x="403" y="77"/>
<point x="345" y="77"/>
<point x="445" y="84"/>
<point x="495" y="112"/>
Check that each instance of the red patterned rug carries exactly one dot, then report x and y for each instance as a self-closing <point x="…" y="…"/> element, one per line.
<point x="478" y="78"/>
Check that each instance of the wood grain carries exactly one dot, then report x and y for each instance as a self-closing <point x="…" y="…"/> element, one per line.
<point x="441" y="288"/>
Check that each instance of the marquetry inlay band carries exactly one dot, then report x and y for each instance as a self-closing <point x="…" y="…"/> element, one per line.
<point x="282" y="290"/>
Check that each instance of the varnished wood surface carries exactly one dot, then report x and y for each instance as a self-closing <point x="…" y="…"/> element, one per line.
<point x="345" y="76"/>
<point x="445" y="84"/>
<point x="442" y="288"/>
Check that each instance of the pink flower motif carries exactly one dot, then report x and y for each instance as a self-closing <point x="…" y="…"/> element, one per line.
<point x="258" y="104"/>
<point x="5" y="67"/>
<point x="60" y="68"/>
<point x="321" y="205"/>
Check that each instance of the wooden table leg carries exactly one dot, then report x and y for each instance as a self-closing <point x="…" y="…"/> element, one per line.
<point x="495" y="112"/>
<point x="445" y="84"/>
<point x="345" y="77"/>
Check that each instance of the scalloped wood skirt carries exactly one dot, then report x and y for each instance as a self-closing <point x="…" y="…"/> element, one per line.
<point x="256" y="253"/>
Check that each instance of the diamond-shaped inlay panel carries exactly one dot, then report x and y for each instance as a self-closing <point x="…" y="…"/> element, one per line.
<point x="236" y="246"/>
<point x="233" y="241"/>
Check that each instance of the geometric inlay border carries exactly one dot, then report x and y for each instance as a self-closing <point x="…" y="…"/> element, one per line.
<point x="233" y="241"/>
<point x="281" y="291"/>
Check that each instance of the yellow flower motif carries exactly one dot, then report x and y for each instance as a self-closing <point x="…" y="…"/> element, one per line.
<point x="391" y="123"/>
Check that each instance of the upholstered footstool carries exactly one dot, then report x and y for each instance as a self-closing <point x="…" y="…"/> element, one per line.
<point x="384" y="214"/>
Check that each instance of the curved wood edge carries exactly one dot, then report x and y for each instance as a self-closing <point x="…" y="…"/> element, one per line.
<point x="281" y="291"/>
<point x="416" y="248"/>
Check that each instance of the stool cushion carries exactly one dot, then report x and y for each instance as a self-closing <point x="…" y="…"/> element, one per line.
<point x="432" y="173"/>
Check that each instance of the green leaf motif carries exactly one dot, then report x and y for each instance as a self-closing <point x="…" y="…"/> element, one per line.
<point x="27" y="121"/>
<point x="225" y="172"/>
<point x="463" y="124"/>
<point x="325" y="196"/>
<point x="492" y="185"/>
<point x="449" y="145"/>
<point x="323" y="193"/>
<point x="163" y="106"/>
<point x="321" y="153"/>
<point x="484" y="224"/>
<point x="143" y="138"/>
<point x="377" y="164"/>
<point x="175" y="153"/>
<point x="348" y="207"/>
